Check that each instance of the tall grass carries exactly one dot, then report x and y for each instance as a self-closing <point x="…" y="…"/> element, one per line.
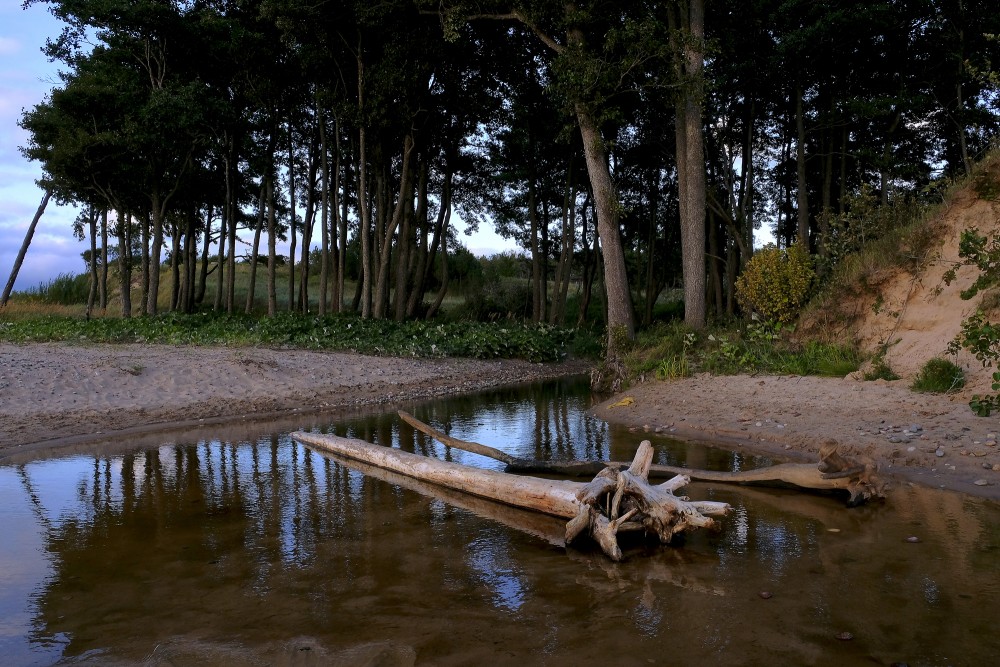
<point x="668" y="351"/>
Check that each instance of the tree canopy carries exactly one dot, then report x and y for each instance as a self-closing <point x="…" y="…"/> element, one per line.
<point x="636" y="145"/>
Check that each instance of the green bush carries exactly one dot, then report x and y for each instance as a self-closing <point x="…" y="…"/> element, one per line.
<point x="507" y="340"/>
<point x="776" y="283"/>
<point x="65" y="289"/>
<point x="939" y="376"/>
<point x="978" y="335"/>
<point x="880" y="370"/>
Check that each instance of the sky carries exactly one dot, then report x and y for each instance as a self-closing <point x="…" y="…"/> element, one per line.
<point x="26" y="77"/>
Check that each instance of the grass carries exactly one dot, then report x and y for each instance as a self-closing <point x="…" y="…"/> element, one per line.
<point x="669" y="351"/>
<point x="293" y="330"/>
<point x="939" y="376"/>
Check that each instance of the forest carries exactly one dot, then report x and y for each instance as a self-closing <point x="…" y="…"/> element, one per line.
<point x="628" y="147"/>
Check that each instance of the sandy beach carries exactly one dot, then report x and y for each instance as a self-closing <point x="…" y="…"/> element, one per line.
<point x="57" y="396"/>
<point x="929" y="439"/>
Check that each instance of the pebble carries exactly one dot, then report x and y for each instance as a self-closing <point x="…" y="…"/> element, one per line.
<point x="765" y="595"/>
<point x="981" y="482"/>
<point x="845" y="636"/>
<point x="939" y="452"/>
<point x="912" y="539"/>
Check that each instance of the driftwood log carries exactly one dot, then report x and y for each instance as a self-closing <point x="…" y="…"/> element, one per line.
<point x="615" y="501"/>
<point x="834" y="472"/>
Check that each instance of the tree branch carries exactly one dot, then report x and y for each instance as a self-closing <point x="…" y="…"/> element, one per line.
<point x="514" y="15"/>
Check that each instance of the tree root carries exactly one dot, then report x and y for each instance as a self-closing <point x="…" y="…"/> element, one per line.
<point x="615" y="496"/>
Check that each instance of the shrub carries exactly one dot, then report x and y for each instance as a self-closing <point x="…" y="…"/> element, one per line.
<point x="939" y="376"/>
<point x="776" y="282"/>
<point x="880" y="370"/>
<point x="65" y="289"/>
<point x="978" y="335"/>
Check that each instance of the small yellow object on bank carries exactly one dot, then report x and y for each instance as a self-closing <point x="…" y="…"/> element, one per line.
<point x="625" y="402"/>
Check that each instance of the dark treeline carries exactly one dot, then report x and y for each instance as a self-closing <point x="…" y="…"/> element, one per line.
<point x="627" y="146"/>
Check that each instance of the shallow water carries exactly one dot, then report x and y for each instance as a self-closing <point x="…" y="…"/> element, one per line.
<point x="262" y="552"/>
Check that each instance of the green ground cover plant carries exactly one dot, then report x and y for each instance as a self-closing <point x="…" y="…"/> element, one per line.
<point x="333" y="332"/>
<point x="668" y="351"/>
<point x="939" y="376"/>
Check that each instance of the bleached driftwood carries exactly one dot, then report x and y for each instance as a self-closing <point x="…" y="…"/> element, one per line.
<point x="834" y="472"/>
<point x="617" y="500"/>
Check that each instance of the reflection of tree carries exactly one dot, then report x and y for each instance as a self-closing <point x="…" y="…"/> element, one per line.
<point x="254" y="543"/>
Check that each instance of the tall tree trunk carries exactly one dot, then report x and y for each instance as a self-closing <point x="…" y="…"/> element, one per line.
<point x="800" y="164"/>
<point x="272" y="255"/>
<point x="94" y="277"/>
<point x="342" y="232"/>
<point x="231" y="206"/>
<point x="826" y="195"/>
<point x="690" y="157"/>
<point x="960" y="96"/>
<point x="221" y="261"/>
<point x="191" y="261"/>
<point x="399" y="210"/>
<point x="154" y="253"/>
<point x="620" y="323"/>
<point x="308" y="222"/>
<point x="445" y="276"/>
<point x="568" y="240"/>
<point x="842" y="194"/>
<point x="413" y="222"/>
<point x="365" y="223"/>
<point x="291" y="220"/>
<point x="324" y="219"/>
<point x="589" y="265"/>
<point x="203" y="271"/>
<point x="652" y="290"/>
<point x="255" y="249"/>
<point x="104" y="261"/>
<point x="745" y="207"/>
<point x="714" y="264"/>
<point x="144" y="291"/>
<point x="422" y="249"/>
<point x="885" y="168"/>
<point x="175" y="264"/>
<point x="125" y="261"/>
<point x="537" y="309"/>
<point x="24" y="247"/>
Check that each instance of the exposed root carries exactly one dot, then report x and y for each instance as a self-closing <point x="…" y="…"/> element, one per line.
<point x="615" y="496"/>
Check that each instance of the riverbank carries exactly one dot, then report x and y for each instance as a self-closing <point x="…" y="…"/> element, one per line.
<point x="57" y="395"/>
<point x="930" y="439"/>
<point x="54" y="394"/>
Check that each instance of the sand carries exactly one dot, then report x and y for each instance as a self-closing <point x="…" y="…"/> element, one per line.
<point x="55" y="397"/>
<point x="929" y="439"/>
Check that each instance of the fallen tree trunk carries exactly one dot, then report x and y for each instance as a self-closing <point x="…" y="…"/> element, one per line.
<point x="834" y="472"/>
<point x="616" y="501"/>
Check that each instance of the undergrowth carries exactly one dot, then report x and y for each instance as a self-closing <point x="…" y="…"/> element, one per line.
<point x="669" y="351"/>
<point x="334" y="332"/>
<point x="939" y="376"/>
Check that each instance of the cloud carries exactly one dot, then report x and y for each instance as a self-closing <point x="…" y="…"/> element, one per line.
<point x="53" y="249"/>
<point x="9" y="46"/>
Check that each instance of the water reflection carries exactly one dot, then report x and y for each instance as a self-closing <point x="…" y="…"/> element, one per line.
<point x="262" y="551"/>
